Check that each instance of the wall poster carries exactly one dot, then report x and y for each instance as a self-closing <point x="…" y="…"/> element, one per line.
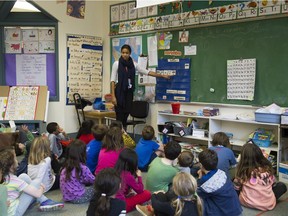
<point x="84" y="62"/>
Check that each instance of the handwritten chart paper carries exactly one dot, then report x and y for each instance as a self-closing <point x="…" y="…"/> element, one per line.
<point x="22" y="101"/>
<point x="84" y="72"/>
<point x="31" y="69"/>
<point x="241" y="75"/>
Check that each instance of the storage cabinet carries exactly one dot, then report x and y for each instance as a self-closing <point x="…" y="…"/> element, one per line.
<point x="201" y="120"/>
<point x="240" y="129"/>
<point x="33" y="125"/>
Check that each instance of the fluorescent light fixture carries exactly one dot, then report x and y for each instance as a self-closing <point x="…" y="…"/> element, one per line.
<point x="23" y="6"/>
<point x="147" y="3"/>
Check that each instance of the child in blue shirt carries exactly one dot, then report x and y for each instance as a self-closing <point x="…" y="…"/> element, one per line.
<point x="147" y="149"/>
<point x="215" y="188"/>
<point x="226" y="158"/>
<point x="94" y="146"/>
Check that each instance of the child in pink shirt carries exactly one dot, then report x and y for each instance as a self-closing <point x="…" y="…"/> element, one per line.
<point x="255" y="181"/>
<point x="111" y="147"/>
<point x="131" y="180"/>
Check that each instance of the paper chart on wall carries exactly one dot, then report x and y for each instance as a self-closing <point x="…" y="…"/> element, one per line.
<point x="241" y="75"/>
<point x="84" y="72"/>
<point x="22" y="101"/>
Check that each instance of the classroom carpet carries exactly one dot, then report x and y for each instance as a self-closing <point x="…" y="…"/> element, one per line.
<point x="69" y="209"/>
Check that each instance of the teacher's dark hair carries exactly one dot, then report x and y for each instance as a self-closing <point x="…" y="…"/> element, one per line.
<point x="126" y="46"/>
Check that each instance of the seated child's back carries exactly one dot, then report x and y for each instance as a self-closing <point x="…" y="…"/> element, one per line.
<point x="94" y="146"/>
<point x="146" y="148"/>
<point x="226" y="157"/>
<point x="161" y="170"/>
<point x="215" y="188"/>
<point x="111" y="148"/>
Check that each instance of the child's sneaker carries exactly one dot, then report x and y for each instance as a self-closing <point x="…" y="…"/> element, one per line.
<point x="50" y="205"/>
<point x="145" y="210"/>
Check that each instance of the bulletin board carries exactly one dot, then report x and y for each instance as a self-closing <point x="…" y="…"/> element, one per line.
<point x="263" y="38"/>
<point x="21" y="96"/>
<point x="84" y="67"/>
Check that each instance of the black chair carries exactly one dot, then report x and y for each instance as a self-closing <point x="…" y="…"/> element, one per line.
<point x="139" y="113"/>
<point x="80" y="103"/>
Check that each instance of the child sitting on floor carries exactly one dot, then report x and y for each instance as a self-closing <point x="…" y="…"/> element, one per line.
<point x="111" y="148"/>
<point x="131" y="180"/>
<point x="76" y="180"/>
<point x="128" y="141"/>
<point x="95" y="145"/>
<point x="185" y="161"/>
<point x="106" y="185"/>
<point x="85" y="131"/>
<point x="22" y="191"/>
<point x="255" y="181"/>
<point x="147" y="149"/>
<point x="226" y="158"/>
<point x="215" y="188"/>
<point x="161" y="171"/>
<point x="185" y="201"/>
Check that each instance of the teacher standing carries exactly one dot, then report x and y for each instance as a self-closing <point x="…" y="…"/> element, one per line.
<point x="123" y="83"/>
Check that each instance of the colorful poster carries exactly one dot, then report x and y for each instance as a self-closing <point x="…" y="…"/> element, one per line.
<point x="13" y="47"/>
<point x="12" y="34"/>
<point x="22" y="101"/>
<point x="76" y="8"/>
<point x="135" y="43"/>
<point x="164" y="40"/>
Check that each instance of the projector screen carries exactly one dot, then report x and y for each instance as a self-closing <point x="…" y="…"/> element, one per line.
<point x="147" y="3"/>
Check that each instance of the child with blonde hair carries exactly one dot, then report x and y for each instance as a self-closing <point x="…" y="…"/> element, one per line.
<point x="39" y="164"/>
<point x="255" y="181"/>
<point x="185" y="200"/>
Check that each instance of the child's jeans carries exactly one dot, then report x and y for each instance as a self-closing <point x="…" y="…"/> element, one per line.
<point x="25" y="199"/>
<point x="3" y="200"/>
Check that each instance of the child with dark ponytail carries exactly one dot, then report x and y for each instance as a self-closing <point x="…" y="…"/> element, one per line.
<point x="107" y="184"/>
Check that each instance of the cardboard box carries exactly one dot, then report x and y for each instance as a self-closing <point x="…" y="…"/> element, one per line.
<point x="284" y="119"/>
<point x="198" y="133"/>
<point x="283" y="172"/>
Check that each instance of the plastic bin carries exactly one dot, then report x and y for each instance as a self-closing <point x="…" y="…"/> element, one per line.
<point x="283" y="172"/>
<point x="268" y="117"/>
<point x="187" y="130"/>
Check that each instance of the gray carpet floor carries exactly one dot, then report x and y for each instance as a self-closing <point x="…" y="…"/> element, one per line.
<point x="69" y="209"/>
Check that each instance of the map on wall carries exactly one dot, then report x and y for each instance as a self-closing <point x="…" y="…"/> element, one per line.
<point x="134" y="42"/>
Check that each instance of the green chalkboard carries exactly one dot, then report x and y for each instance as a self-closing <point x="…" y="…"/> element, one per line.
<point x="265" y="40"/>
